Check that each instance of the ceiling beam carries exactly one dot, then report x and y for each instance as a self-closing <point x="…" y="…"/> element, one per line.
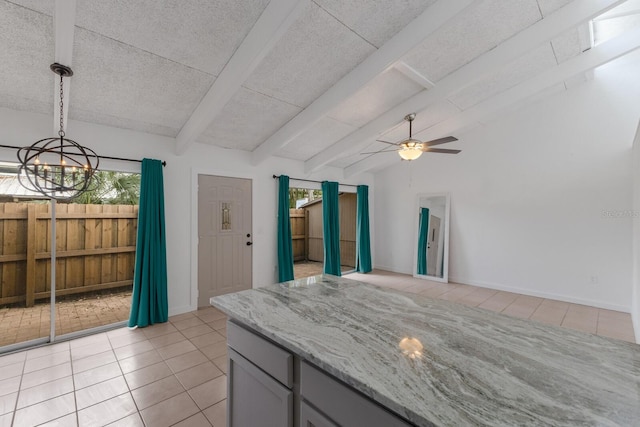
<point x="276" y="19"/>
<point x="378" y="62"/>
<point x="543" y="31"/>
<point x="631" y="7"/>
<point x="414" y="75"/>
<point x="593" y="58"/>
<point x="64" y="20"/>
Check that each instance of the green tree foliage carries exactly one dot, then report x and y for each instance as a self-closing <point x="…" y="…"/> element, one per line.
<point x="113" y="188"/>
<point x="302" y="193"/>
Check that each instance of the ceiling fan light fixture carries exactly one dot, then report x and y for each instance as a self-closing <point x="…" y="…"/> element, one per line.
<point x="411" y="149"/>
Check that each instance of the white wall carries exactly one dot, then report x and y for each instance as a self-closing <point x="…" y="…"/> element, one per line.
<point x="528" y="194"/>
<point x="20" y="129"/>
<point x="635" y="294"/>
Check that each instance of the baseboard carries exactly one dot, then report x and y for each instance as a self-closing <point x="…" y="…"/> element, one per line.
<point x="174" y="311"/>
<point x="635" y="319"/>
<point x="559" y="297"/>
<point x="391" y="269"/>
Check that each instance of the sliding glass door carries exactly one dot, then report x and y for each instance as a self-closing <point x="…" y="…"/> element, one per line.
<point x="23" y="317"/>
<point x="94" y="254"/>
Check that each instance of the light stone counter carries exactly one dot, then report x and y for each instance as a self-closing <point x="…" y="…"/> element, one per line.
<point x="475" y="368"/>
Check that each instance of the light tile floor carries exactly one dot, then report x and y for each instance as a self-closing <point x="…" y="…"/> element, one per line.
<point x="163" y="375"/>
<point x="175" y="373"/>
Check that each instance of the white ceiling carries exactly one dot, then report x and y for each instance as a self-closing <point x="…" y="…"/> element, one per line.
<point x="323" y="85"/>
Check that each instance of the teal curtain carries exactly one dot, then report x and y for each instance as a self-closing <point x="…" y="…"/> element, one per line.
<point x="285" y="248"/>
<point x="363" y="242"/>
<point x="149" y="303"/>
<point x="331" y="228"/>
<point x="423" y="231"/>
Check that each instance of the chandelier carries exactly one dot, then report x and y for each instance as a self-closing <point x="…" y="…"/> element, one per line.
<point x="57" y="167"/>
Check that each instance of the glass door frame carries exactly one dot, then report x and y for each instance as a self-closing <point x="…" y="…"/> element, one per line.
<point x="52" y="337"/>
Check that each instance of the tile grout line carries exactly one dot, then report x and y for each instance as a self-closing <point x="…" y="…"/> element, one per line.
<point x="535" y="309"/>
<point x="15" y="406"/>
<point x="125" y="382"/>
<point x="564" y="316"/>
<point x="73" y="382"/>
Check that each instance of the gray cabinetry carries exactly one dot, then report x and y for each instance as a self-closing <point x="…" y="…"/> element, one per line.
<point x="309" y="417"/>
<point x="256" y="399"/>
<point x="259" y="381"/>
<point x="264" y="392"/>
<point x="341" y="403"/>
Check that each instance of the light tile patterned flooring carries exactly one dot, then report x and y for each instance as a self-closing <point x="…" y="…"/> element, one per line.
<point x="166" y="374"/>
<point x="174" y="373"/>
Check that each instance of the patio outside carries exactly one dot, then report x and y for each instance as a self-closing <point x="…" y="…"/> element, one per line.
<point x="95" y="254"/>
<point x="312" y="268"/>
<point x="19" y="324"/>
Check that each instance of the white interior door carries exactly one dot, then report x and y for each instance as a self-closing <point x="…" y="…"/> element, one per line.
<point x="432" y="245"/>
<point x="224" y="236"/>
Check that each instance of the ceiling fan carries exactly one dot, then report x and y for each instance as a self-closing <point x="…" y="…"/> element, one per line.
<point x="411" y="149"/>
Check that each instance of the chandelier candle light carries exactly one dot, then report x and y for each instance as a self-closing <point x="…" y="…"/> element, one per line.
<point x="57" y="167"/>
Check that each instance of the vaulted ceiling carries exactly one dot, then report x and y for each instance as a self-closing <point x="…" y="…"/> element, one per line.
<point x="313" y="80"/>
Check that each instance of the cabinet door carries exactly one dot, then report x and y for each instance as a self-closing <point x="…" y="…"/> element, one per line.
<point x="309" y="417"/>
<point x="256" y="399"/>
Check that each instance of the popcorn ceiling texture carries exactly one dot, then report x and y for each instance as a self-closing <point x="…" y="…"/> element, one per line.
<point x="25" y="55"/>
<point x="312" y="55"/>
<point x="383" y="92"/>
<point x="478" y="30"/>
<point x="315" y="139"/>
<point x="247" y="120"/>
<point x="146" y="65"/>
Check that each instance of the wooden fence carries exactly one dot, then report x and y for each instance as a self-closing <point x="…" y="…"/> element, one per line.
<point x="306" y="231"/>
<point x="95" y="249"/>
<point x="299" y="219"/>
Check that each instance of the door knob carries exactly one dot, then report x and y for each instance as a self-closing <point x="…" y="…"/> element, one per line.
<point x="249" y="243"/>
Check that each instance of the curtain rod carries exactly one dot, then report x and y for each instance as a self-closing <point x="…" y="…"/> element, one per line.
<point x="164" y="163"/>
<point x="312" y="180"/>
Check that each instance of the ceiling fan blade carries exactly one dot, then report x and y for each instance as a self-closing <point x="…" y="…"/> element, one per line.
<point x="440" y="150"/>
<point x="381" y="151"/>
<point x="440" y="141"/>
<point x="387" y="142"/>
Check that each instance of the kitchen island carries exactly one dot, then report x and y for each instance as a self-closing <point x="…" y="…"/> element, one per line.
<point x="427" y="362"/>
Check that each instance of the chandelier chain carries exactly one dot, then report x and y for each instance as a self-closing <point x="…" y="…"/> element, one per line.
<point x="61" y="131"/>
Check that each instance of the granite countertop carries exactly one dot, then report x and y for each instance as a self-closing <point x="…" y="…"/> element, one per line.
<point x="475" y="367"/>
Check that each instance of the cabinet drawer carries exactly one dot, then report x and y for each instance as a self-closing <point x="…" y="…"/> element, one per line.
<point x="309" y="417"/>
<point x="267" y="356"/>
<point x="342" y="404"/>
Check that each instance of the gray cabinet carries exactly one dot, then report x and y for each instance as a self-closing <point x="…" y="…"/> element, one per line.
<point x="264" y="390"/>
<point x="259" y="381"/>
<point x="255" y="398"/>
